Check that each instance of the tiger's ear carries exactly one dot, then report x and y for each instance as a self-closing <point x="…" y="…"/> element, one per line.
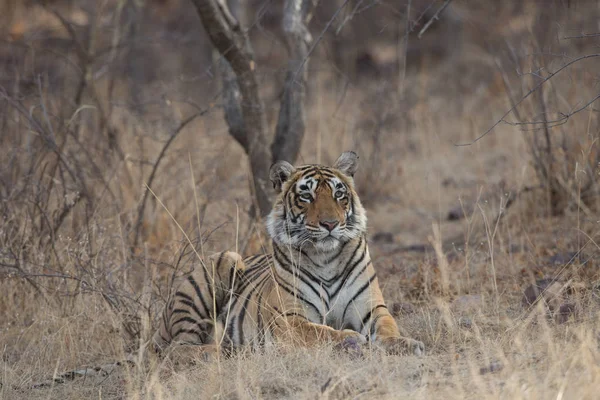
<point x="347" y="163"/>
<point x="279" y="173"/>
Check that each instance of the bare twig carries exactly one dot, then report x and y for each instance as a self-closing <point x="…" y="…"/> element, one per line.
<point x="161" y="155"/>
<point x="436" y="16"/>
<point x="28" y="277"/>
<point x="513" y="103"/>
<point x="314" y="46"/>
<point x="564" y="117"/>
<point x="582" y="36"/>
<point x="405" y="52"/>
<point x="533" y="90"/>
<point x="45" y="136"/>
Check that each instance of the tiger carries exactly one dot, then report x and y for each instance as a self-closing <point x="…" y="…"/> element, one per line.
<point x="318" y="284"/>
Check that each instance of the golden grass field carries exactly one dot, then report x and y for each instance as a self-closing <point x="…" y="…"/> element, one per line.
<point x="75" y="292"/>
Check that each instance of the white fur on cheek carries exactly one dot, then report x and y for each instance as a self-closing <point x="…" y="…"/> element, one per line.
<point x="276" y="224"/>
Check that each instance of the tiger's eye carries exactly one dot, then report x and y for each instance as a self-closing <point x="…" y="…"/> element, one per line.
<point x="339" y="194"/>
<point x="306" y="196"/>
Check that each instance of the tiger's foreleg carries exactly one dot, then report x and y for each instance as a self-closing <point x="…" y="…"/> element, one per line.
<point x="305" y="333"/>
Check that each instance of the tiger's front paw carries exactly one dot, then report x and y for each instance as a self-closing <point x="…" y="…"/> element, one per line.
<point x="352" y="343"/>
<point x="402" y="345"/>
<point x="350" y="334"/>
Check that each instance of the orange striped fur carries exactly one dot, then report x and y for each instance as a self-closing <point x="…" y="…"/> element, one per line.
<point x="319" y="284"/>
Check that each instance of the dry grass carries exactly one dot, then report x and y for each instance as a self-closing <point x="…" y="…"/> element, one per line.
<point x="74" y="291"/>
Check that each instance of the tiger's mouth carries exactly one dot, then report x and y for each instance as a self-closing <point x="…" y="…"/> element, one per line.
<point x="331" y="238"/>
<point x="328" y="243"/>
<point x="336" y="235"/>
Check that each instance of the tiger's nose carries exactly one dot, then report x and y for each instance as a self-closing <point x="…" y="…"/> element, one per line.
<point x="329" y="225"/>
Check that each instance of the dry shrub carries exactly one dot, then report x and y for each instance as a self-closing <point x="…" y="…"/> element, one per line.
<point x="555" y="108"/>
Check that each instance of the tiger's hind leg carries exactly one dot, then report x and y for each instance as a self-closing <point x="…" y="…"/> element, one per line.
<point x="192" y="309"/>
<point x="228" y="266"/>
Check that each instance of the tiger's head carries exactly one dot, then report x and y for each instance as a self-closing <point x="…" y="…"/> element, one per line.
<point x="316" y="205"/>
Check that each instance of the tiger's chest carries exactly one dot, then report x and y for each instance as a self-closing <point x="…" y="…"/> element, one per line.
<point x="337" y="286"/>
<point x="338" y="309"/>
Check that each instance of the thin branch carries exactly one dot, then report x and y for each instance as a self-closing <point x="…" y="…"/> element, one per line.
<point x="582" y="36"/>
<point x="564" y="117"/>
<point x="552" y="75"/>
<point x="436" y="16"/>
<point x="405" y="55"/>
<point x="174" y="135"/>
<point x="47" y="138"/>
<point x="354" y="12"/>
<point x="81" y="50"/>
<point x="23" y="274"/>
<point x="513" y="103"/>
<point x="320" y="37"/>
<point x="506" y="84"/>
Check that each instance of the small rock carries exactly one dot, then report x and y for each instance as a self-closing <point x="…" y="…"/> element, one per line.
<point x="383" y="237"/>
<point x="533" y="291"/>
<point x="455" y="214"/>
<point x="563" y="258"/>
<point x="449" y="182"/>
<point x="453" y="256"/>
<point x="465" y="322"/>
<point x="564" y="312"/>
<point x="494" y="366"/>
<point x="460" y="211"/>
<point x="467" y="303"/>
<point x="417" y="248"/>
<point x="517" y="248"/>
<point x="326" y="385"/>
<point x="402" y="309"/>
